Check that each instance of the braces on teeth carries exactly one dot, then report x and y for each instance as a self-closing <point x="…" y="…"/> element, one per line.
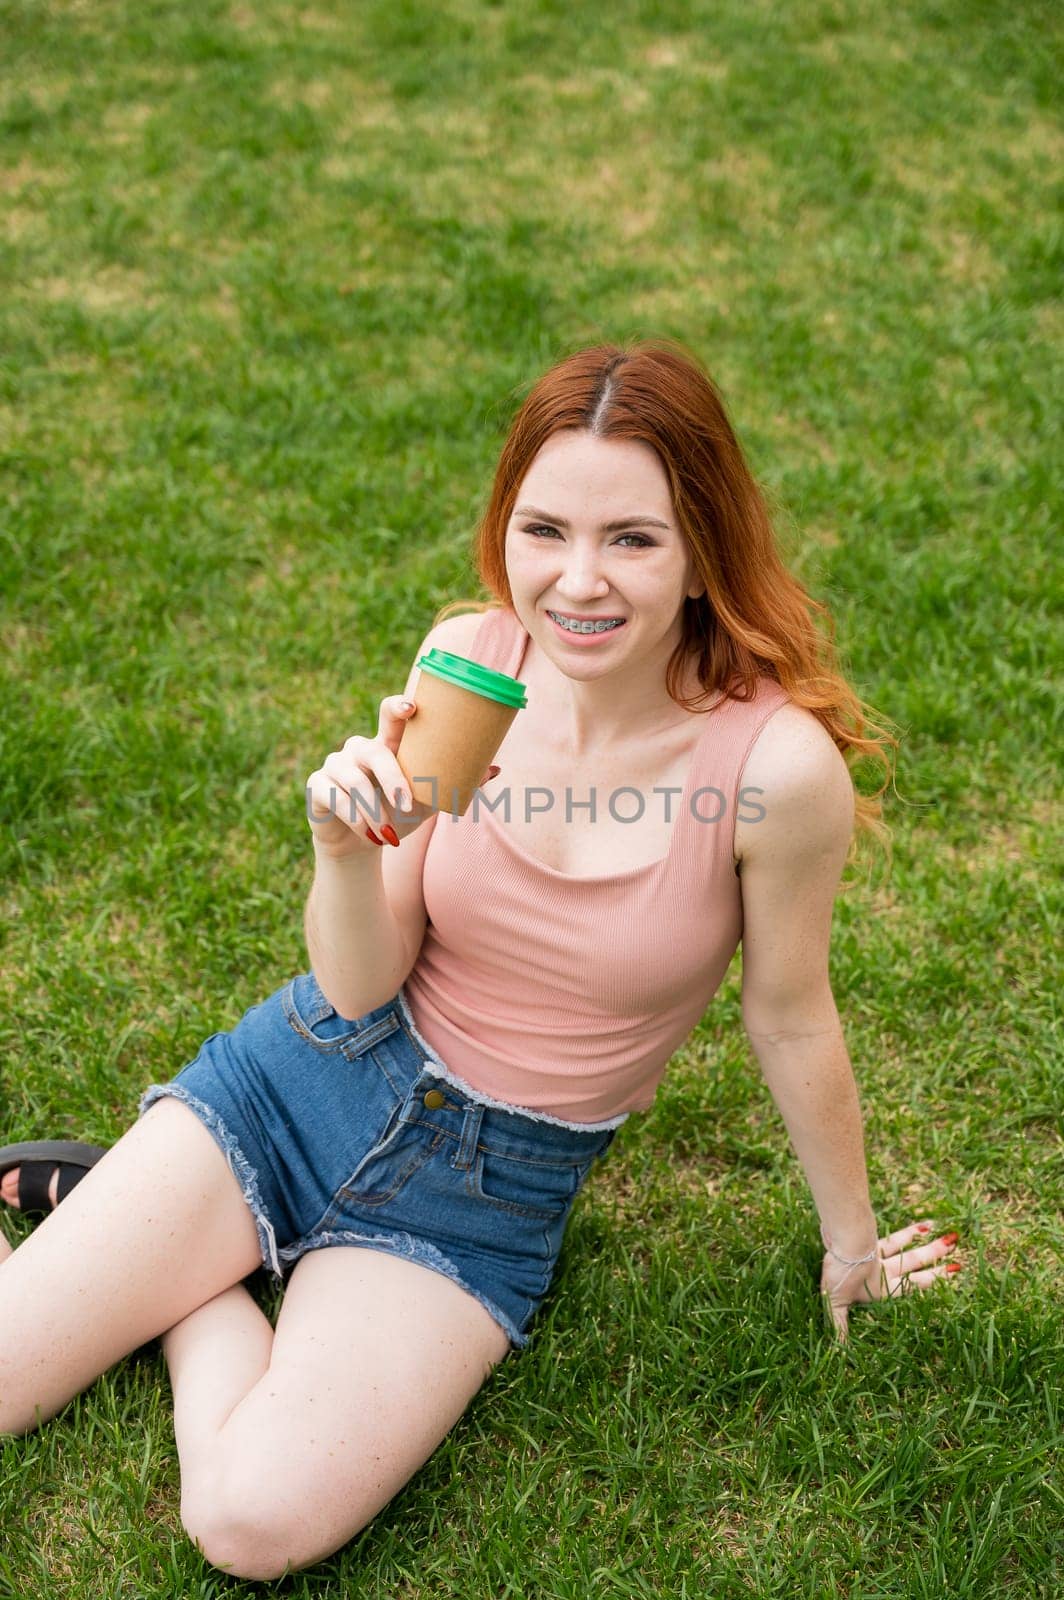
<point x="586" y="627"/>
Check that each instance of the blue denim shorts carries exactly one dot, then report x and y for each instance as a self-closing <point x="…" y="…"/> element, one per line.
<point x="342" y="1132"/>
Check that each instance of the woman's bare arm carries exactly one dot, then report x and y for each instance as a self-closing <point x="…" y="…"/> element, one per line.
<point x="790" y="876"/>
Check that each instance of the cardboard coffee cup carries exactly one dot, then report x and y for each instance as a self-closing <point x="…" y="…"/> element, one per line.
<point x="463" y="713"/>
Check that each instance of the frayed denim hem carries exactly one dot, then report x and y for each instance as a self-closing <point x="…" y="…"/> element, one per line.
<point x="442" y="1070"/>
<point x="414" y="1249"/>
<point x="239" y="1165"/>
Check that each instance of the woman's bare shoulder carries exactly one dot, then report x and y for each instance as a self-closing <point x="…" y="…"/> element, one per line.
<point x="794" y="765"/>
<point x="789" y="731"/>
<point x="457" y="632"/>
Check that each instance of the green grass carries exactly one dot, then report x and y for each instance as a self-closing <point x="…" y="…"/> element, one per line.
<point x="274" y="278"/>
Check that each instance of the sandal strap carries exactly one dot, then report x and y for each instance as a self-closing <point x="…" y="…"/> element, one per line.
<point x="69" y="1177"/>
<point x="33" y="1180"/>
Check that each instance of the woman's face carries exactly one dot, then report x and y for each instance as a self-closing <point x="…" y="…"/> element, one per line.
<point x="563" y="556"/>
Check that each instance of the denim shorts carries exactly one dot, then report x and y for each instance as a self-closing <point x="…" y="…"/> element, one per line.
<point x="343" y="1132"/>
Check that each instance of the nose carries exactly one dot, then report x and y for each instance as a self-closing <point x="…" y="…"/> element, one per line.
<point x="581" y="577"/>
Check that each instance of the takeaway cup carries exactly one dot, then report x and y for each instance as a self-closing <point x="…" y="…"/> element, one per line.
<point x="463" y="713"/>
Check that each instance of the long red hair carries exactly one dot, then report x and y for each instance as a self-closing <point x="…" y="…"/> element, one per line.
<point x="755" y="618"/>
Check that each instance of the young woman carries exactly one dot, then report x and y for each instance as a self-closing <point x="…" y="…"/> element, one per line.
<point x="490" y="998"/>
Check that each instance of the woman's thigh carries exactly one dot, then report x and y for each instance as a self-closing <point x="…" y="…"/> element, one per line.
<point x="155" y="1229"/>
<point x="375" y="1358"/>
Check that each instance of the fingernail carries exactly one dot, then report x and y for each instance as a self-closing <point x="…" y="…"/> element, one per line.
<point x="406" y="705"/>
<point x="954" y="1266"/>
<point x="390" y="833"/>
<point x="950" y="1238"/>
<point x="923" y="1227"/>
<point x="493" y="772"/>
<point x="371" y="835"/>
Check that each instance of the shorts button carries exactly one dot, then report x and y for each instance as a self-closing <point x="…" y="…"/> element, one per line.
<point x="434" y="1099"/>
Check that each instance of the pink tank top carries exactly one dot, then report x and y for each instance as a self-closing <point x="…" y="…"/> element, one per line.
<point x="567" y="995"/>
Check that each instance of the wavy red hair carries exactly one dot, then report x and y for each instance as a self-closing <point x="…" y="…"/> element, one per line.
<point x="755" y="618"/>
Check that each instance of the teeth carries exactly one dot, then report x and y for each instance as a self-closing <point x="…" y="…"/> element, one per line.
<point x="585" y="627"/>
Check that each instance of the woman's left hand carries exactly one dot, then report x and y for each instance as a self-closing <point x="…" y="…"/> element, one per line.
<point x="897" y="1270"/>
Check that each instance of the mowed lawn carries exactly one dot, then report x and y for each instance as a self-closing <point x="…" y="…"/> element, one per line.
<point x="275" y="278"/>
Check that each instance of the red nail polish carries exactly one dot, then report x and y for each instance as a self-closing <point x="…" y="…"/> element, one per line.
<point x="390" y="833"/>
<point x="371" y="835"/>
<point x="923" y="1227"/>
<point x="950" y="1238"/>
<point x="954" y="1266"/>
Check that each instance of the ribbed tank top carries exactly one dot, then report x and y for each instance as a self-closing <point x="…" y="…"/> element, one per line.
<point x="567" y="995"/>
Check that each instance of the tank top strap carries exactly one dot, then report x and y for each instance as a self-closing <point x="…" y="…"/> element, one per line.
<point x="732" y="727"/>
<point x="500" y="641"/>
<point x="746" y="718"/>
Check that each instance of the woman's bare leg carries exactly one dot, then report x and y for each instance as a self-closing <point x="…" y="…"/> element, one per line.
<point x="240" y="1338"/>
<point x="288" y="1444"/>
<point x="374" y="1360"/>
<point x="216" y="1355"/>
<point x="158" y="1227"/>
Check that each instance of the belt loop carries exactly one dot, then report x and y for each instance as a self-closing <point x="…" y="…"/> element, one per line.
<point x="370" y="1035"/>
<point x="467" y="1145"/>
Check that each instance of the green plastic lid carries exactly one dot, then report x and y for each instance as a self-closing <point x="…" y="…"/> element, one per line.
<point x="471" y="675"/>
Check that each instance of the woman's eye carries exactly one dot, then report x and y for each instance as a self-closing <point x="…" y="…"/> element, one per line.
<point x="641" y="541"/>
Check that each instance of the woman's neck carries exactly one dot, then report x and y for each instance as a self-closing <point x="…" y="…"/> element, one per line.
<point x="589" y="718"/>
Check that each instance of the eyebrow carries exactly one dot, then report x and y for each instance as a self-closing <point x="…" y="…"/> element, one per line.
<point x="607" y="527"/>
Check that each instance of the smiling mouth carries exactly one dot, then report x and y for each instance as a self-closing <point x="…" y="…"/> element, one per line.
<point x="598" y="625"/>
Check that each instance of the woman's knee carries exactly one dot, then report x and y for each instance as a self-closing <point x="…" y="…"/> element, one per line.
<point x="240" y="1550"/>
<point x="17" y="1416"/>
<point x="238" y="1527"/>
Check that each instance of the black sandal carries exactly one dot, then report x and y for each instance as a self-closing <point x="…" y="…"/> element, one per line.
<point x="38" y="1159"/>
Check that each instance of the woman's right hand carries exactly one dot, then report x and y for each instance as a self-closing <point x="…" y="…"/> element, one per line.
<point x="355" y="796"/>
